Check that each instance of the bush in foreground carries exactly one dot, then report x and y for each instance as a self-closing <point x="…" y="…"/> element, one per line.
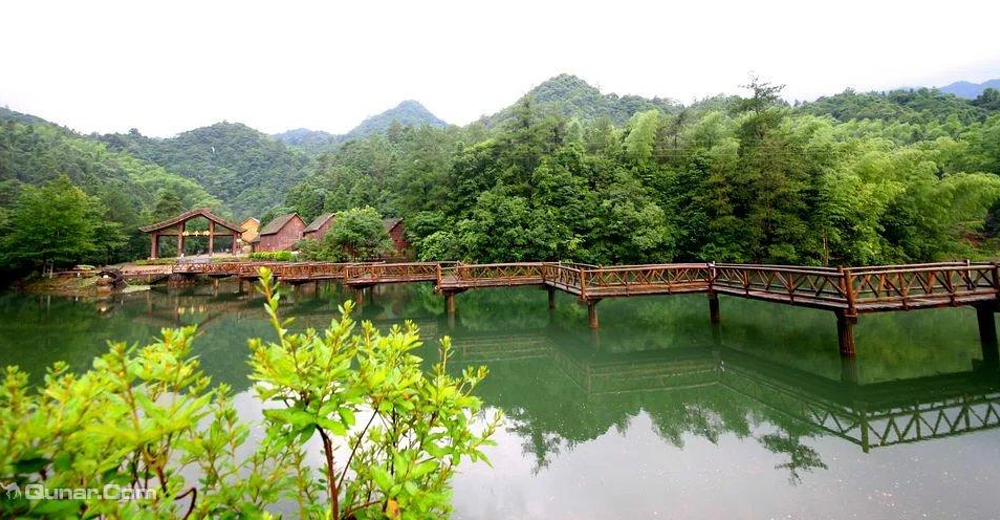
<point x="148" y="418"/>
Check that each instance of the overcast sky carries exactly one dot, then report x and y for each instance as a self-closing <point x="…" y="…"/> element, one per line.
<point x="166" y="67"/>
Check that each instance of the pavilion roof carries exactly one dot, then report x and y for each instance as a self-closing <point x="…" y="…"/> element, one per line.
<point x="188" y="215"/>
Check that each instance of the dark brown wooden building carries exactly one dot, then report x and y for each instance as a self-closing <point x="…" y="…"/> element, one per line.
<point x="177" y="227"/>
<point x="394" y="226"/>
<point x="280" y="234"/>
<point x="318" y="227"/>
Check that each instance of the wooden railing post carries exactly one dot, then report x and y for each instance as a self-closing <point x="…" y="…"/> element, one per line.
<point x="583" y="283"/>
<point x="847" y="279"/>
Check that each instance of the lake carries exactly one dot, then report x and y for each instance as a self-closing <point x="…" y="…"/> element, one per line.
<point x="657" y="414"/>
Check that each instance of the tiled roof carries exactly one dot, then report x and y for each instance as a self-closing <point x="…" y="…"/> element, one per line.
<point x="318" y="222"/>
<point x="277" y="223"/>
<point x="390" y="223"/>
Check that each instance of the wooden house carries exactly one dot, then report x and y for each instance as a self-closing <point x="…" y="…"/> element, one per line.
<point x="317" y="229"/>
<point x="280" y="234"/>
<point x="394" y="226"/>
<point x="249" y="229"/>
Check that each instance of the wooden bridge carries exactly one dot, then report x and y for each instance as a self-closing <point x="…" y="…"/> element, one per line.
<point x="848" y="292"/>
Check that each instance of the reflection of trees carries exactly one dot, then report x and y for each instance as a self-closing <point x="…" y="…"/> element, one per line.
<point x="800" y="456"/>
<point x="579" y="387"/>
<point x="559" y="384"/>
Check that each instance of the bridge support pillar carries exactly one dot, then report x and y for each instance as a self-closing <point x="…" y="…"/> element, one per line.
<point x="845" y="333"/>
<point x="592" y="314"/>
<point x="449" y="303"/>
<point x="359" y="296"/>
<point x="988" y="332"/>
<point x="552" y="297"/>
<point x="713" y="307"/>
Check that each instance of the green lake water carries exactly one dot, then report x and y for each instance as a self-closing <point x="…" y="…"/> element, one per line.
<point x="657" y="414"/>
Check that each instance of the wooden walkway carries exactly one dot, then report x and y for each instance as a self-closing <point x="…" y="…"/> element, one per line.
<point x="848" y="292"/>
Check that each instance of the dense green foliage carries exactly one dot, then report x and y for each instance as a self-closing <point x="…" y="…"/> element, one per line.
<point x="58" y="224"/>
<point x="125" y="191"/>
<point x="729" y="179"/>
<point x="391" y="435"/>
<point x="569" y="173"/>
<point x="355" y="234"/>
<point x="246" y="169"/>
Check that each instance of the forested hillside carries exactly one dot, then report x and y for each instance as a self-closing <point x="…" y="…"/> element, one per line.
<point x="850" y="179"/>
<point x="247" y="170"/>
<point x="119" y="192"/>
<point x="572" y="97"/>
<point x="567" y="173"/>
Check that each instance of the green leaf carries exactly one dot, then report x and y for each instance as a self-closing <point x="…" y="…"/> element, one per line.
<point x="382" y="478"/>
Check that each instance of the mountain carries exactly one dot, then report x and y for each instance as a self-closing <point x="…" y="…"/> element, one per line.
<point x="312" y="142"/>
<point x="7" y="114"/>
<point x="36" y="153"/>
<point x="246" y="169"/>
<point x="917" y="106"/>
<point x="407" y="113"/>
<point x="967" y="90"/>
<point x="575" y="98"/>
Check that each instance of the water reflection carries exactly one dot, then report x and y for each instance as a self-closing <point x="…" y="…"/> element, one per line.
<point x="655" y="389"/>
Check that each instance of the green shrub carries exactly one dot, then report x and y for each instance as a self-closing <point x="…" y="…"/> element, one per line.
<point x="156" y="261"/>
<point x="271" y="256"/>
<point x="146" y="417"/>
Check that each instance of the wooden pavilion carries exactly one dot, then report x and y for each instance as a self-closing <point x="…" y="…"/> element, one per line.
<point x="176" y="227"/>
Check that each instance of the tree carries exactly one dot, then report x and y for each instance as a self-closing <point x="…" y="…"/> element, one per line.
<point x="52" y="225"/>
<point x="355" y="234"/>
<point x="168" y="205"/>
<point x="989" y="99"/>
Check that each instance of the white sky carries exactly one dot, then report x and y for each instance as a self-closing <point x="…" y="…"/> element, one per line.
<point x="166" y="67"/>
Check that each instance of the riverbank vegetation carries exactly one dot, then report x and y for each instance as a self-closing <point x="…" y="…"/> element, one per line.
<point x="567" y="173"/>
<point x="390" y="434"/>
<point x="850" y="179"/>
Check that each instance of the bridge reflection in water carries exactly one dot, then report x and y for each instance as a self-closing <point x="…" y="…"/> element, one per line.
<point x="604" y="370"/>
<point x="869" y="415"/>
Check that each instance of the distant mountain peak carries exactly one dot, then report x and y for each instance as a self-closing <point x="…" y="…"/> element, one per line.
<point x="969" y="90"/>
<point x="408" y="112"/>
<point x="572" y="96"/>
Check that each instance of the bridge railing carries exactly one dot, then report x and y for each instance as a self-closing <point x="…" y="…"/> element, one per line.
<point x="376" y="272"/>
<point x="637" y="279"/>
<point x="819" y="286"/>
<point x="520" y="273"/>
<point x="921" y="285"/>
<point x="310" y="270"/>
<point x="567" y="276"/>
